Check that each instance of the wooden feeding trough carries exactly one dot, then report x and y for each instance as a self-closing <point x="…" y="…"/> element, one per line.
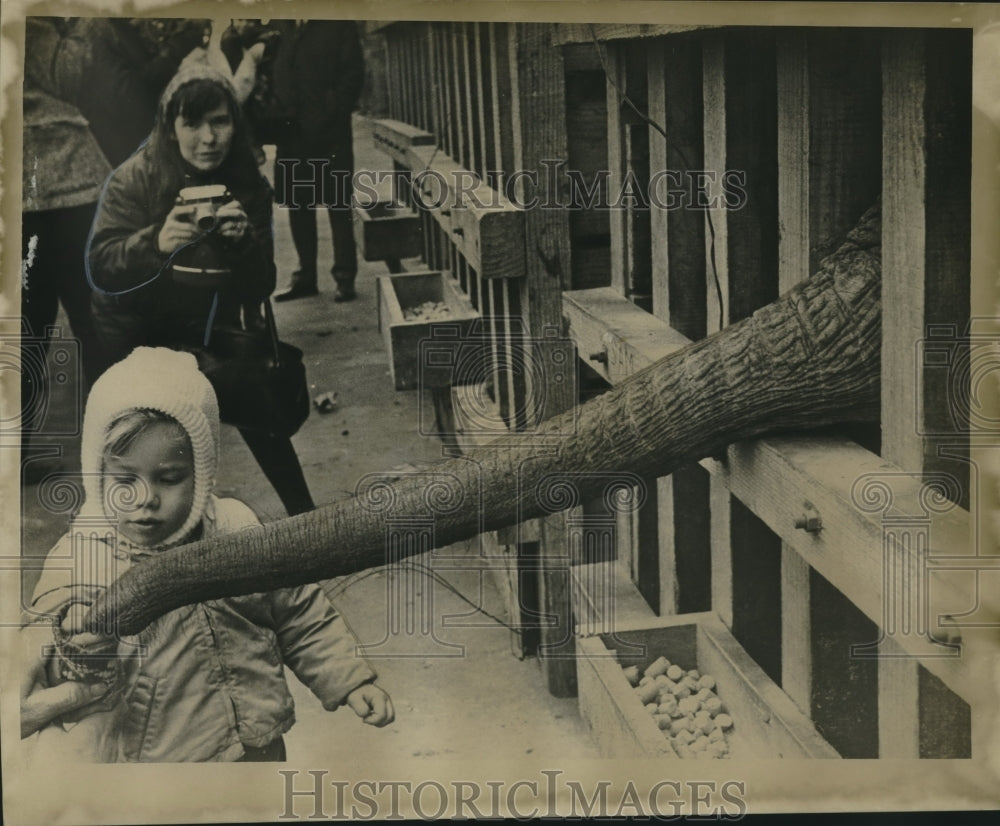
<point x="766" y="723"/>
<point x="386" y="231"/>
<point x="425" y="321"/>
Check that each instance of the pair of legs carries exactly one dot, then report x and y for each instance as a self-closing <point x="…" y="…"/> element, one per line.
<point x="306" y="182"/>
<point x="52" y="255"/>
<point x="277" y="458"/>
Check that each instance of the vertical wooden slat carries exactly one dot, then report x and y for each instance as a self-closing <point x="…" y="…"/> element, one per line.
<point x="506" y="124"/>
<point x="395" y="96"/>
<point x="461" y="98"/>
<point x="615" y="68"/>
<point x="716" y="236"/>
<point x="481" y="62"/>
<point x="925" y="263"/>
<point x="637" y="215"/>
<point x="406" y="66"/>
<point x="656" y="90"/>
<point x="467" y="79"/>
<point x="427" y="72"/>
<point x="439" y="85"/>
<point x="451" y="98"/>
<point x="487" y="113"/>
<point x="721" y="550"/>
<point x="716" y="267"/>
<point x="793" y="265"/>
<point x="537" y="93"/>
<point x="666" y="573"/>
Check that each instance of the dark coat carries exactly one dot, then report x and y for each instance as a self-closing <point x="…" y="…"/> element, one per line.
<point x="136" y="300"/>
<point x="116" y="71"/>
<point x="319" y="72"/>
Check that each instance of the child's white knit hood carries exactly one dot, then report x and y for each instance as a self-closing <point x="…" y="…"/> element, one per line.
<point x="153" y="378"/>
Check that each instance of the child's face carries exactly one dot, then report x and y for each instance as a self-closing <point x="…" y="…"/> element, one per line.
<point x="158" y="467"/>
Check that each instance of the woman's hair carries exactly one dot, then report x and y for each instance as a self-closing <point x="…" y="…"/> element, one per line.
<point x="126" y="428"/>
<point x="196" y="98"/>
<point x="192" y="100"/>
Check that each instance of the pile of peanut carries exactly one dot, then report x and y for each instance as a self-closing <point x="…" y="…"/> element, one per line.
<point x="685" y="707"/>
<point x="428" y="311"/>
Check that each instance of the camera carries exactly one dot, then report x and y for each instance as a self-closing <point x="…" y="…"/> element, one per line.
<point x="203" y="262"/>
<point x="206" y="200"/>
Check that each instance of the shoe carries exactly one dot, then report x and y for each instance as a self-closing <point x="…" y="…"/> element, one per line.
<point x="345" y="285"/>
<point x="344" y="293"/>
<point x="297" y="291"/>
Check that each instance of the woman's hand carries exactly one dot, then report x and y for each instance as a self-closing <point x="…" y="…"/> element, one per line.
<point x="178" y="229"/>
<point x="372" y="705"/>
<point x="232" y="220"/>
<point x="41" y="702"/>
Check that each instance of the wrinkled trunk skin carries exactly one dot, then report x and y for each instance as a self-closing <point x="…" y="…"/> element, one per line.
<point x="809" y="359"/>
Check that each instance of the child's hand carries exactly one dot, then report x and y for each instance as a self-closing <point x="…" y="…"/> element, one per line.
<point x="372" y="705"/>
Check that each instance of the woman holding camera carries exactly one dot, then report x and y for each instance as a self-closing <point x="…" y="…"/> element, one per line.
<point x="143" y="229"/>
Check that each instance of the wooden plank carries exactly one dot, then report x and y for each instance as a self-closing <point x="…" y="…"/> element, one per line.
<point x="793" y="266"/>
<point x="469" y="103"/>
<point x="557" y="649"/>
<point x="775" y="477"/>
<point x="721" y="549"/>
<point x="536" y="78"/>
<point x="506" y="122"/>
<point x="458" y="148"/>
<point x="925" y="238"/>
<point x="656" y="90"/>
<point x="793" y="159"/>
<point x="439" y="83"/>
<point x="667" y="545"/>
<point x="567" y="33"/>
<point x="486" y="227"/>
<point x="796" y="628"/>
<point x="504" y="570"/>
<point x="614" y="63"/>
<point x="613" y="335"/>
<point x="925" y="282"/>
<point x="484" y="103"/>
<point x="767" y="723"/>
<point x="681" y="301"/>
<point x="716" y="220"/>
<point x="604" y="600"/>
<point x="396" y="138"/>
<point x="898" y="705"/>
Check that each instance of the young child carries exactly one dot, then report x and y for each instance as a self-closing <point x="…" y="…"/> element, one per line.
<point x="204" y="682"/>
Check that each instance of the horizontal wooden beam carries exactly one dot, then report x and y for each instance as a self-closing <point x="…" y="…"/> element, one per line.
<point x="396" y="138"/>
<point x="777" y="477"/>
<point x="614" y="335"/>
<point x="482" y="224"/>
<point x="588" y="32"/>
<point x="485" y="227"/>
<point x="785" y="480"/>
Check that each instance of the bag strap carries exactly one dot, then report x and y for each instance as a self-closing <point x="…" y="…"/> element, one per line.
<point x="272" y="330"/>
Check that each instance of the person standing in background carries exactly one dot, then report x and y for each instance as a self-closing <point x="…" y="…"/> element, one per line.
<point x="119" y="67"/>
<point x="63" y="171"/>
<point x="318" y="75"/>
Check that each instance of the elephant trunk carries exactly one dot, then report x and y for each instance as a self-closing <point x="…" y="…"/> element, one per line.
<point x="810" y="358"/>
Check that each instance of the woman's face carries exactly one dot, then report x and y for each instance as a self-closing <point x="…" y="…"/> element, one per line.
<point x="205" y="144"/>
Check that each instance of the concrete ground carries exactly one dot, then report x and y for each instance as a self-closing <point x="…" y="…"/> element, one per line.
<point x="441" y="678"/>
